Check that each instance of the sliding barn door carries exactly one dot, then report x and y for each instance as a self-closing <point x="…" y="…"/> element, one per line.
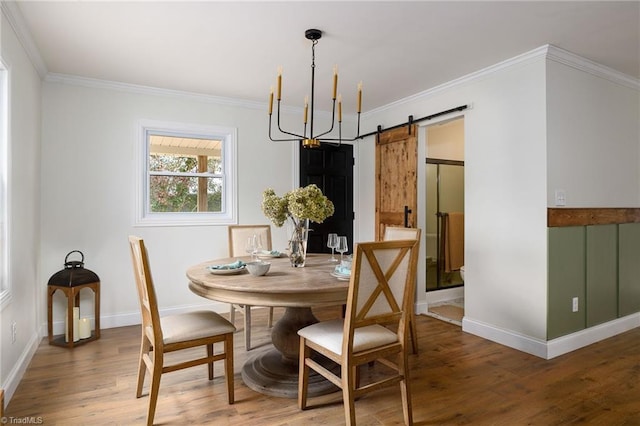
<point x="396" y="178"/>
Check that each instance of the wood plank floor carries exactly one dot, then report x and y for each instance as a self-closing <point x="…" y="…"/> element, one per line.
<point x="457" y="379"/>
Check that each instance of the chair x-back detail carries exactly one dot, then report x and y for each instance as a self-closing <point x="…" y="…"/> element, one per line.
<point x="375" y="327"/>
<point x="401" y="233"/>
<point x="171" y="333"/>
<point x="238" y="235"/>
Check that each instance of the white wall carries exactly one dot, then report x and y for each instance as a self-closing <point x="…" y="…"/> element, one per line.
<point x="593" y="138"/>
<point x="24" y="308"/>
<point x="505" y="189"/>
<point x="88" y="147"/>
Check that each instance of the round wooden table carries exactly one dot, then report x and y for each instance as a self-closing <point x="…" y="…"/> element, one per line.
<point x="275" y="372"/>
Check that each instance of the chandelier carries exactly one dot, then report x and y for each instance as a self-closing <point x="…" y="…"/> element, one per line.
<point x="310" y="139"/>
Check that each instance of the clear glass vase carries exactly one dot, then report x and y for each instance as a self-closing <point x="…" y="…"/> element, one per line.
<point x="298" y="242"/>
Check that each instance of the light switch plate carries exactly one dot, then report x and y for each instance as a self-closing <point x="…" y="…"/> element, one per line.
<point x="561" y="197"/>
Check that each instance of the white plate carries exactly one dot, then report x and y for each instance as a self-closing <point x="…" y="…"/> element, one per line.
<point x="226" y="271"/>
<point x="341" y="277"/>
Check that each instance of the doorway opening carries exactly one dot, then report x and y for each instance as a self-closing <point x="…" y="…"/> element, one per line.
<point x="331" y="169"/>
<point x="445" y="205"/>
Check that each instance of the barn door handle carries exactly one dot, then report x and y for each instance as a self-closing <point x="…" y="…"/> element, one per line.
<point x="407" y="212"/>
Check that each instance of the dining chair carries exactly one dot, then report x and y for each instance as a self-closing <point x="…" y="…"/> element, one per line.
<point x="238" y="236"/>
<point x="375" y="327"/>
<point x="161" y="335"/>
<point x="402" y="233"/>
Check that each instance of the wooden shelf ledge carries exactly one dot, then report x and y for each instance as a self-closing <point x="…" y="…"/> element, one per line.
<point x="558" y="217"/>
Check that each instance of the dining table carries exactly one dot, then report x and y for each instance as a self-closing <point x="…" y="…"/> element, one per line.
<point x="298" y="289"/>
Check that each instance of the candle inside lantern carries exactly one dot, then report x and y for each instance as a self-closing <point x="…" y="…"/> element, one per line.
<point x="85" y="328"/>
<point x="76" y="323"/>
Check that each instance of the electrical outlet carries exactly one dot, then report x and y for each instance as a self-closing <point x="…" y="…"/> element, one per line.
<point x="14" y="331"/>
<point x="575" y="304"/>
<point x="561" y="197"/>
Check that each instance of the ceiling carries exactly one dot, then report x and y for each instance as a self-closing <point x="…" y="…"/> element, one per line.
<point x="397" y="49"/>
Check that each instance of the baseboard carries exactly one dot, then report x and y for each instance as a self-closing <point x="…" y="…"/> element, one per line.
<point x="580" y="339"/>
<point x="552" y="348"/>
<point x="505" y="337"/>
<point x="15" y="375"/>
<point x="421" y="307"/>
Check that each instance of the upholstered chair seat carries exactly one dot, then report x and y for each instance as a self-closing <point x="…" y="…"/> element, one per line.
<point x="330" y="335"/>
<point x="193" y="325"/>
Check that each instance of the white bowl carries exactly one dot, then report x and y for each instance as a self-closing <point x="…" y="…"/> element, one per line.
<point x="462" y="273"/>
<point x="258" y="268"/>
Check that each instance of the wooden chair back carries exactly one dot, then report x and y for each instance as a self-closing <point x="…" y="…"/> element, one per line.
<point x="146" y="292"/>
<point x="382" y="288"/>
<point x="401" y="233"/>
<point x="238" y="235"/>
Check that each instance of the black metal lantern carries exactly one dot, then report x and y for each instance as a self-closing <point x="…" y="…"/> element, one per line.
<point x="71" y="281"/>
<point x="73" y="273"/>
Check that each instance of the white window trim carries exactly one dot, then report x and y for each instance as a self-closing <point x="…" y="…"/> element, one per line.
<point x="5" y="281"/>
<point x="228" y="136"/>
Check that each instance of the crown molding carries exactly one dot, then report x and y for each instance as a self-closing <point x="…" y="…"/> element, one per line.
<point x="546" y="52"/>
<point x="534" y="54"/>
<point x="155" y="91"/>
<point x="565" y="57"/>
<point x="149" y="90"/>
<point x="11" y="11"/>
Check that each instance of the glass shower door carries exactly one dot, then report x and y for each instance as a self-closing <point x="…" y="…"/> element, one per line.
<point x="445" y="223"/>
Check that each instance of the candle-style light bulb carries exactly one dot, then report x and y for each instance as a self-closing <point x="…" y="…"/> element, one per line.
<point x="279" y="82"/>
<point x="271" y="101"/>
<point x="360" y="97"/>
<point x="339" y="108"/>
<point x="335" y="81"/>
<point x="306" y="108"/>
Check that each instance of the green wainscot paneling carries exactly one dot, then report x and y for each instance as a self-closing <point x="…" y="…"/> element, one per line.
<point x="567" y="268"/>
<point x="629" y="268"/>
<point x="602" y="274"/>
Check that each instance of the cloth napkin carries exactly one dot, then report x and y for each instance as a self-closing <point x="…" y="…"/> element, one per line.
<point x="343" y="270"/>
<point x="235" y="265"/>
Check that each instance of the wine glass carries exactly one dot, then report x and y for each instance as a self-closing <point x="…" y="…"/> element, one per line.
<point x="251" y="246"/>
<point x="342" y="246"/>
<point x="257" y="246"/>
<point x="332" y="243"/>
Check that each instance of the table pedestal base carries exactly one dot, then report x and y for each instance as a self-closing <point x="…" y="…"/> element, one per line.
<point x="270" y="374"/>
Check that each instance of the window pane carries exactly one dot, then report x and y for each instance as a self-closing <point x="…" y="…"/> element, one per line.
<point x="181" y="194"/>
<point x="172" y="163"/>
<point x="181" y="154"/>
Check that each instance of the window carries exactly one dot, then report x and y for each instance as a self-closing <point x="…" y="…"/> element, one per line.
<point x="187" y="175"/>
<point x="5" y="288"/>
